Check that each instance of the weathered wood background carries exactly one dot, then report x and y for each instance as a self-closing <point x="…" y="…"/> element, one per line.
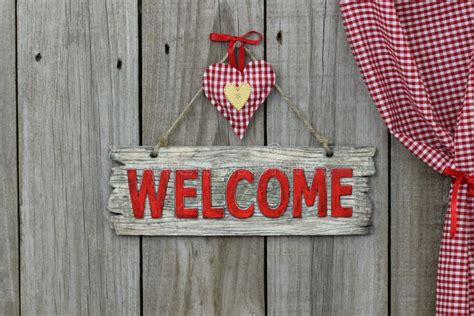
<point x="79" y="76"/>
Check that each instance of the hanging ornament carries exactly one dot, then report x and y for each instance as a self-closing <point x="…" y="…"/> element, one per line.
<point x="161" y="174"/>
<point x="237" y="90"/>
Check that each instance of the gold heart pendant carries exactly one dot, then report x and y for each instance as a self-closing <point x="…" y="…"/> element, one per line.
<point x="238" y="96"/>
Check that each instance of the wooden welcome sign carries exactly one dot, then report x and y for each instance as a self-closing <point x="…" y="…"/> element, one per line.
<point x="246" y="191"/>
<point x="241" y="191"/>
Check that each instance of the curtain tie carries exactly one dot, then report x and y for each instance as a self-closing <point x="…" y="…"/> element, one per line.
<point x="242" y="39"/>
<point x="459" y="178"/>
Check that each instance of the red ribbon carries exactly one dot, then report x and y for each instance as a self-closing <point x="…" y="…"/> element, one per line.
<point x="242" y="39"/>
<point x="459" y="179"/>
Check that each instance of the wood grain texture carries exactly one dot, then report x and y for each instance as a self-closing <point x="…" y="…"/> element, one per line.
<point x="75" y="100"/>
<point x="196" y="275"/>
<point x="222" y="161"/>
<point x="417" y="223"/>
<point x="9" y="267"/>
<point x="78" y="94"/>
<point x="330" y="275"/>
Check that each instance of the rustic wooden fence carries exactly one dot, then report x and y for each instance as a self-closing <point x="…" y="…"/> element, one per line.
<point x="79" y="76"/>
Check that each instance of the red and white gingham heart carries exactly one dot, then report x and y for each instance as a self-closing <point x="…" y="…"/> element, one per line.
<point x="261" y="77"/>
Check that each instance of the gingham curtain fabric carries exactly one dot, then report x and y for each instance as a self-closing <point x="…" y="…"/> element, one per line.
<point x="415" y="57"/>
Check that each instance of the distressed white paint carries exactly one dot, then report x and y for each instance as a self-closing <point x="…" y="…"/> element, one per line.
<point x="222" y="161"/>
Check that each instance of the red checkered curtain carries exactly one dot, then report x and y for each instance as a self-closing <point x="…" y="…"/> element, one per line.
<point x="415" y="57"/>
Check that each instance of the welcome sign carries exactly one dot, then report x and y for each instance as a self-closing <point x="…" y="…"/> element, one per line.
<point x="241" y="191"/>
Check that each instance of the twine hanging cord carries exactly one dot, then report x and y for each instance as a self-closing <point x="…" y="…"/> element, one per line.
<point x="322" y="140"/>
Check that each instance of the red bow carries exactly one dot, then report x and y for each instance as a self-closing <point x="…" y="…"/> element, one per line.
<point x="243" y="40"/>
<point x="459" y="178"/>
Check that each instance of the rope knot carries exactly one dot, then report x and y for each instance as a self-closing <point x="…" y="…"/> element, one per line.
<point x="163" y="141"/>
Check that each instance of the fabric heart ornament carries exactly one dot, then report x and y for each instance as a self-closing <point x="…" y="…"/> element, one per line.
<point x="238" y="94"/>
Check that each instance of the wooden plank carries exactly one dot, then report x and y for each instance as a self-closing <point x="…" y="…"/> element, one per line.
<point x="78" y="95"/>
<point x="196" y="275"/>
<point x="416" y="226"/>
<point x="9" y="282"/>
<point x="330" y="275"/>
<point x="222" y="162"/>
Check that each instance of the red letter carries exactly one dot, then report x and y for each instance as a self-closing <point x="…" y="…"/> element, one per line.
<point x="300" y="187"/>
<point x="181" y="192"/>
<point x="207" y="210"/>
<point x="339" y="190"/>
<point x="262" y="193"/>
<point x="234" y="209"/>
<point x="147" y="187"/>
